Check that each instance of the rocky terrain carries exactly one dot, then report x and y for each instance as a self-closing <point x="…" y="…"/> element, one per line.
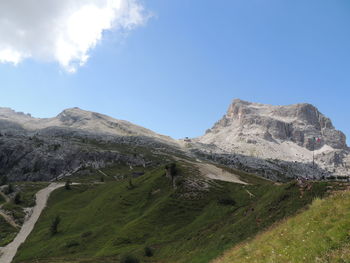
<point x="202" y="194"/>
<point x="46" y="149"/>
<point x="277" y="142"/>
<point x="291" y="134"/>
<point x="73" y="119"/>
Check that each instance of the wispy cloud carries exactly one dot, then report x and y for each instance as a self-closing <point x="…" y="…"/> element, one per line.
<point x="62" y="30"/>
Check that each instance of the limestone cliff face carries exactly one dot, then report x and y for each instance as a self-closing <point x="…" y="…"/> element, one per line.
<point x="278" y="132"/>
<point x="299" y="123"/>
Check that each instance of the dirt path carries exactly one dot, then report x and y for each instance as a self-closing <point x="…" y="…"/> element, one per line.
<point x="213" y="172"/>
<point x="8" y="252"/>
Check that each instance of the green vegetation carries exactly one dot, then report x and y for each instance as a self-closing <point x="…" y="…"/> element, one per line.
<point x="15" y="211"/>
<point x="18" y="199"/>
<point x="103" y="222"/>
<point x="320" y="234"/>
<point x="28" y="190"/>
<point x="111" y="173"/>
<point x="9" y="189"/>
<point x="24" y="197"/>
<point x="148" y="252"/>
<point x="67" y="185"/>
<point x="2" y="199"/>
<point x="54" y="225"/>
<point x="7" y="233"/>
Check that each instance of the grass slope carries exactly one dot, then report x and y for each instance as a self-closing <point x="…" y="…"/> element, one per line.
<point x="320" y="234"/>
<point x="7" y="232"/>
<point x="100" y="223"/>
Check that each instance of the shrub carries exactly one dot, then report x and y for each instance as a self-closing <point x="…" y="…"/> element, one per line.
<point x="54" y="225"/>
<point x="86" y="234"/>
<point x="9" y="189"/>
<point x="131" y="185"/>
<point x="72" y="243"/>
<point x="226" y="201"/>
<point x="180" y="182"/>
<point x="148" y="252"/>
<point x="129" y="259"/>
<point x="67" y="185"/>
<point x="172" y="169"/>
<point x="18" y="199"/>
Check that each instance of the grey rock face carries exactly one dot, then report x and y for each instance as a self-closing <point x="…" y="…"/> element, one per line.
<point x="46" y="158"/>
<point x="291" y="133"/>
<point x="45" y="149"/>
<point x="299" y="123"/>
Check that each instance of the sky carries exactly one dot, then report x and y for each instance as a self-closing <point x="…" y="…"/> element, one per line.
<point x="174" y="66"/>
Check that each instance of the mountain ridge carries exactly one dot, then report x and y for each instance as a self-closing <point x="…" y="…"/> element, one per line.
<point x="294" y="140"/>
<point x="77" y="118"/>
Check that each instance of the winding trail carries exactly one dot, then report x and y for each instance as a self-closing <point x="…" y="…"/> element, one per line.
<point x="9" y="252"/>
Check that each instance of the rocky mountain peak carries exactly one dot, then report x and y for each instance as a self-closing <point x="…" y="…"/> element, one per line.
<point x="299" y="123"/>
<point x="73" y="115"/>
<point x="293" y="133"/>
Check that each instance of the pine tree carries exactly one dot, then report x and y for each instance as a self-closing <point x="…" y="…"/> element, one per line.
<point x="54" y="225"/>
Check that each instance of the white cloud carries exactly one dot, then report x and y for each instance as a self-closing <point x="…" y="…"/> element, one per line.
<point x="61" y="30"/>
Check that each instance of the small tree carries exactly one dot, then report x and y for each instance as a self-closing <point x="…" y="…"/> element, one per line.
<point x="54" y="225"/>
<point x="148" y="252"/>
<point x="67" y="185"/>
<point x="171" y="172"/>
<point x="131" y="185"/>
<point x="18" y="199"/>
<point x="9" y="189"/>
<point x="129" y="259"/>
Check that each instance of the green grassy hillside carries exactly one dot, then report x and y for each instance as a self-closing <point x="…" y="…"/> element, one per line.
<point x="7" y="232"/>
<point x="320" y="234"/>
<point x="192" y="223"/>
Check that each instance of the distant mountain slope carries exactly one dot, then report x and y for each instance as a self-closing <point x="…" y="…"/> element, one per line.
<point x="294" y="133"/>
<point x="45" y="149"/>
<point x="77" y="119"/>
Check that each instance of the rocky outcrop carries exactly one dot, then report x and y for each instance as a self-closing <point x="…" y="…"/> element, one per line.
<point x="46" y="158"/>
<point x="299" y="123"/>
<point x="48" y="148"/>
<point x="293" y="133"/>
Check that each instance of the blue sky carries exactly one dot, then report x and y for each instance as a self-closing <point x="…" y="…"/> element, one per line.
<point x="177" y="73"/>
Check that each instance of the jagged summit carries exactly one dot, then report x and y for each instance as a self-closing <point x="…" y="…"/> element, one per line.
<point x="292" y="133"/>
<point x="299" y="123"/>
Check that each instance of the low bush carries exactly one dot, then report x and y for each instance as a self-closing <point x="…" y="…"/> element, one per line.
<point x="129" y="259"/>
